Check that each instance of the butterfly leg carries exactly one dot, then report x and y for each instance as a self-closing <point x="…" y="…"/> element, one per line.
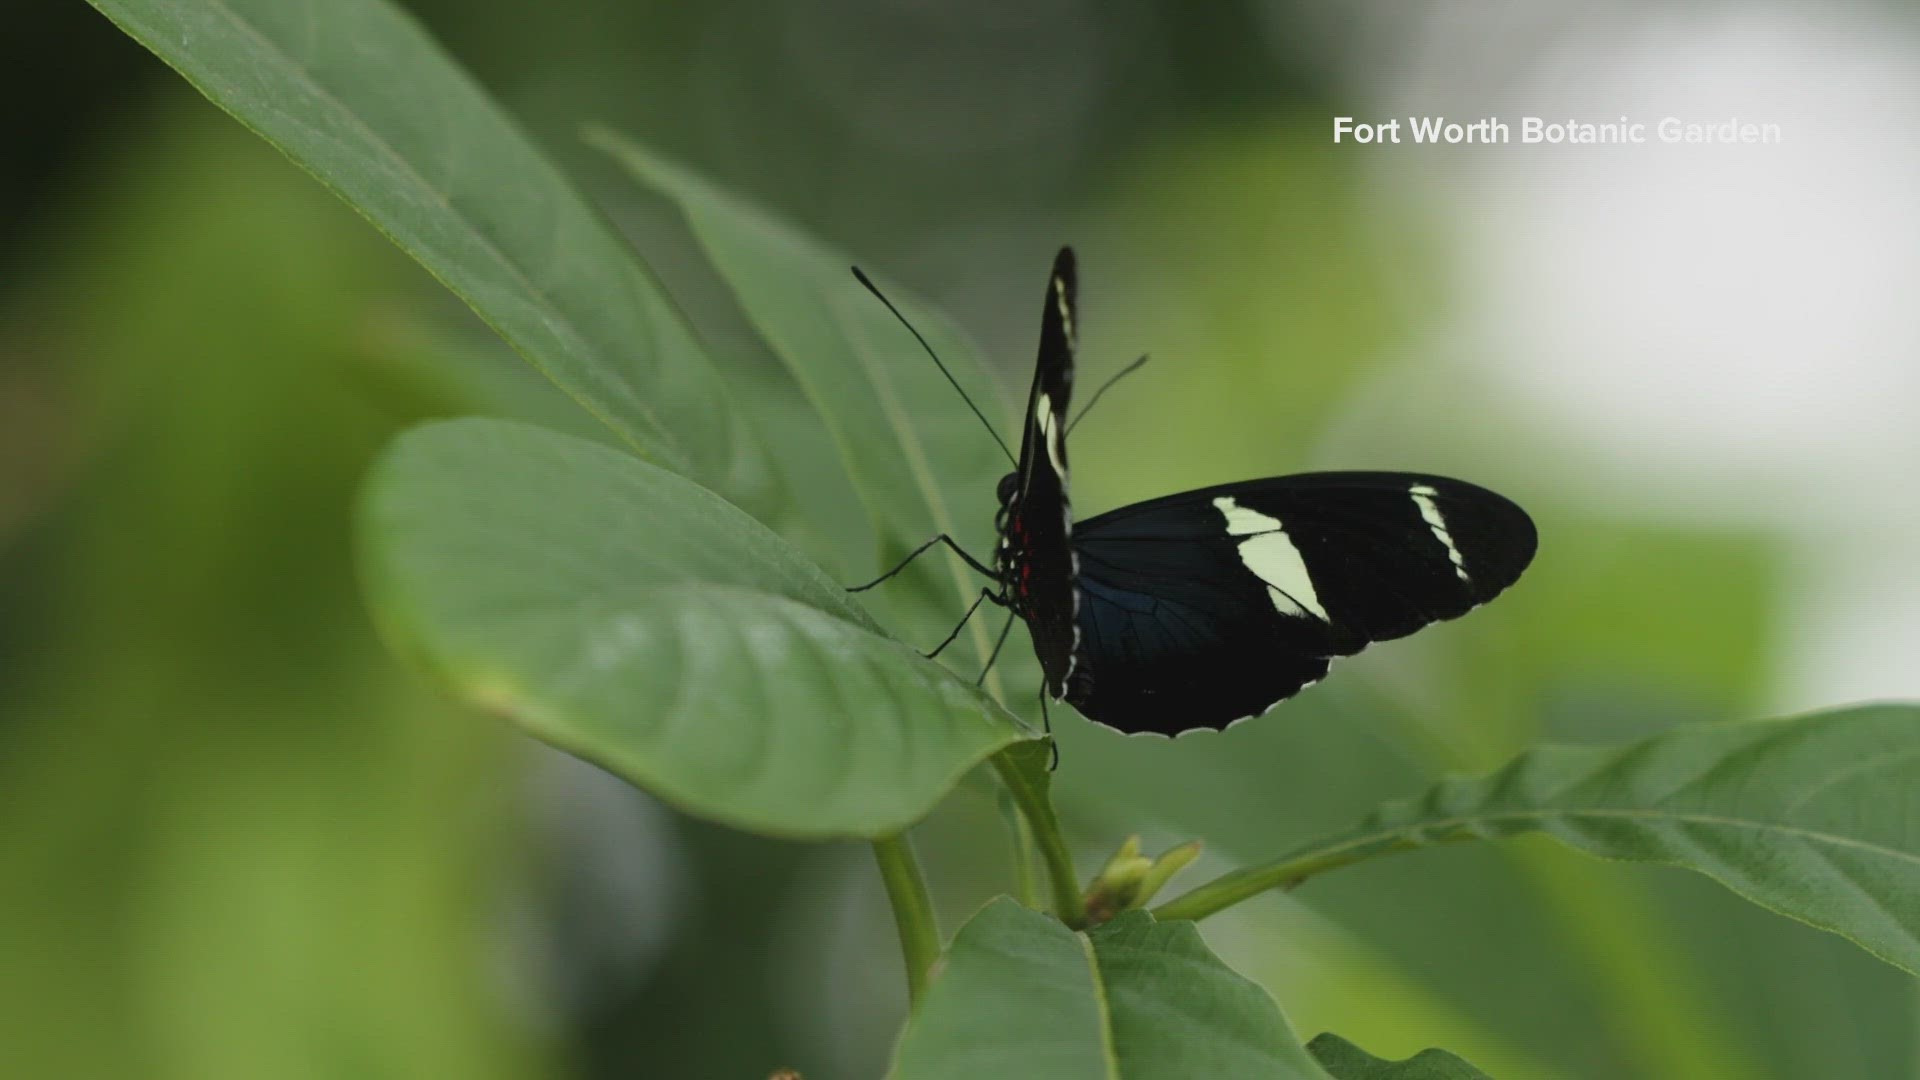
<point x="985" y="595"/>
<point x="943" y="538"/>
<point x="1046" y="726"/>
<point x="995" y="654"/>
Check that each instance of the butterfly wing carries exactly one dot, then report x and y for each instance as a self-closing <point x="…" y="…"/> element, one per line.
<point x="1205" y="607"/>
<point x="1036" y="554"/>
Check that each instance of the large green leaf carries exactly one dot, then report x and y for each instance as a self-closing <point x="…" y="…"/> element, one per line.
<point x="905" y="438"/>
<point x="1345" y="1061"/>
<point x="1816" y="817"/>
<point x="357" y="94"/>
<point x="632" y="617"/>
<point x="1022" y="996"/>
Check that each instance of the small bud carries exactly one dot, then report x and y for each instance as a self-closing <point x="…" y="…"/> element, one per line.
<point x="1116" y="889"/>
<point x="1124" y="869"/>
<point x="1131" y="880"/>
<point x="1118" y="883"/>
<point x="1171" y="862"/>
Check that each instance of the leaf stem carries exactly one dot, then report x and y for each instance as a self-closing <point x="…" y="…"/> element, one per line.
<point x="912" y="909"/>
<point x="1036" y="805"/>
<point x="1285" y="873"/>
<point x="1020" y="846"/>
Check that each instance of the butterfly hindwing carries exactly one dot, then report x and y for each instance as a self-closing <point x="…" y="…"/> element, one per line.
<point x="1201" y="608"/>
<point x="1150" y="661"/>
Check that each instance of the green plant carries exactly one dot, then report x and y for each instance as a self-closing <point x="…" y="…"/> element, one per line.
<point x="667" y="605"/>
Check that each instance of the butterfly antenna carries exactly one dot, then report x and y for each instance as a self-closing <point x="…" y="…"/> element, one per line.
<point x="1104" y="387"/>
<point x="875" y="290"/>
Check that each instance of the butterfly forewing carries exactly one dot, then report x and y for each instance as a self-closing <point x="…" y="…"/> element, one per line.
<point x="1205" y="607"/>
<point x="1035" y="559"/>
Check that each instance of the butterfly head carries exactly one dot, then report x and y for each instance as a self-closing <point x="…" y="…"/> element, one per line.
<point x="1009" y="487"/>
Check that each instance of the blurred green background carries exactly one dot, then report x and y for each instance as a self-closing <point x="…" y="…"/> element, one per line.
<point x="237" y="839"/>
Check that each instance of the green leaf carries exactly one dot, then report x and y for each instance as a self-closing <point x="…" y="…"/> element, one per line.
<point x="906" y="440"/>
<point x="1816" y="817"/>
<point x="627" y="615"/>
<point x="1021" y="996"/>
<point x="357" y="94"/>
<point x="1346" y="1061"/>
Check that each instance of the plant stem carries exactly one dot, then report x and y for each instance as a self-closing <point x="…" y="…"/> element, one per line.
<point x="1037" y="806"/>
<point x="1285" y="873"/>
<point x="1020" y="845"/>
<point x="912" y="909"/>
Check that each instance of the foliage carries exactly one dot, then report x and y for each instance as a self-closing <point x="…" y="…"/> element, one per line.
<point x="708" y="662"/>
<point x="628" y="604"/>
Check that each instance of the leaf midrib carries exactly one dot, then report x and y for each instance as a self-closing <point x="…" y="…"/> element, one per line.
<point x="1110" y="1054"/>
<point x="1685" y="817"/>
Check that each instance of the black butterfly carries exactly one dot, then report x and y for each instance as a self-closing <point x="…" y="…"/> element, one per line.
<point x="1199" y="609"/>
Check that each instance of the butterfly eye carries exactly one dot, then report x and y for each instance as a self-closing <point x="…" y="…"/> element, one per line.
<point x="1008" y="485"/>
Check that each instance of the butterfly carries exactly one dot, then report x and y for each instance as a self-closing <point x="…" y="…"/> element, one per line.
<point x="1203" y="608"/>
